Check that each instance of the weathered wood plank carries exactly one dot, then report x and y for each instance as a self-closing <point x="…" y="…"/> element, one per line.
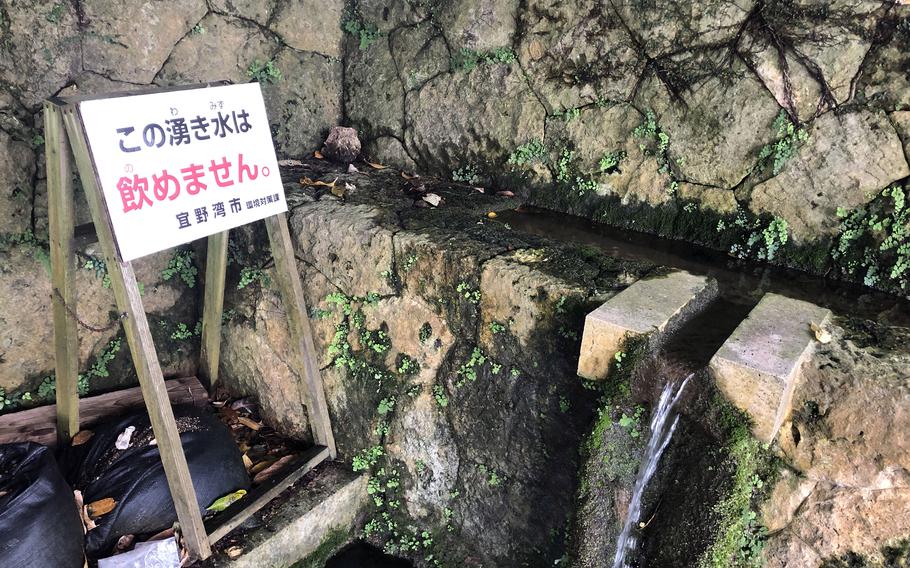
<point x="304" y="354"/>
<point x="142" y="347"/>
<point x="233" y="516"/>
<point x="63" y="263"/>
<point x="213" y="306"/>
<point x="39" y="424"/>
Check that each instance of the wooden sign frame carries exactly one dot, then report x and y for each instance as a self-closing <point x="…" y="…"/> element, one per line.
<point x="65" y="143"/>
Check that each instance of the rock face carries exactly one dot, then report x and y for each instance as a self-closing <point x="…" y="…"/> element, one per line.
<point x="445" y="344"/>
<point x="839" y="175"/>
<point x="848" y="442"/>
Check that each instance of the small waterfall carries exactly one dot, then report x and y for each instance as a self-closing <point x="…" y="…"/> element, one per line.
<point x="661" y="433"/>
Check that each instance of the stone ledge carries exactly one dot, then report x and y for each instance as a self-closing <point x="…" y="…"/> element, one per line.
<point x="654" y="306"/>
<point x="298" y="521"/>
<point x="758" y="366"/>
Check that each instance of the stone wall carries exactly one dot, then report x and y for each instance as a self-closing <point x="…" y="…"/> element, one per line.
<point x="91" y="46"/>
<point x="746" y="126"/>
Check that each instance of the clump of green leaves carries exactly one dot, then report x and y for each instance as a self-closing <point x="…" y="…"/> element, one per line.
<point x="496" y="327"/>
<point x="466" y="60"/>
<point x="788" y="138"/>
<point x="569" y="114"/>
<point x="874" y="241"/>
<point x="466" y="174"/>
<point x="528" y="153"/>
<point x="564" y="165"/>
<point x="365" y="33"/>
<point x="761" y="240"/>
<point x="99" y="267"/>
<point x="425" y="333"/>
<point x="610" y="161"/>
<point x="468" y="293"/>
<point x="367" y="458"/>
<point x="439" y="395"/>
<point x="182" y="331"/>
<point x="56" y="13"/>
<point x="264" y="71"/>
<point x="468" y="371"/>
<point x="249" y="275"/>
<point x="182" y="265"/>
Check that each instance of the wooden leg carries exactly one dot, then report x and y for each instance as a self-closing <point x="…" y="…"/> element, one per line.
<point x="63" y="262"/>
<point x="213" y="307"/>
<point x="304" y="354"/>
<point x="142" y="349"/>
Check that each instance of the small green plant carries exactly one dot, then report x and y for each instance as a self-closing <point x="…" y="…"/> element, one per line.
<point x="466" y="174"/>
<point x="467" y="60"/>
<point x="425" y="333"/>
<point x="468" y="293"/>
<point x="874" y="241"/>
<point x="264" y="71"/>
<point x="632" y="423"/>
<point x="496" y="327"/>
<point x="250" y="275"/>
<point x="407" y="366"/>
<point x="515" y="372"/>
<point x="761" y="241"/>
<point x="788" y="139"/>
<point x="56" y="13"/>
<point x="198" y="29"/>
<point x="564" y="404"/>
<point x="610" y="161"/>
<point x="439" y="394"/>
<point x="182" y="265"/>
<point x="367" y="458"/>
<point x="564" y="165"/>
<point x="183" y="332"/>
<point x="528" y="153"/>
<point x="569" y="114"/>
<point x="468" y="371"/>
<point x="366" y="34"/>
<point x="99" y="267"/>
<point x="409" y="263"/>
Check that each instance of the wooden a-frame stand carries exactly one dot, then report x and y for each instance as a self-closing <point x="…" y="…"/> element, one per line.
<point x="65" y="140"/>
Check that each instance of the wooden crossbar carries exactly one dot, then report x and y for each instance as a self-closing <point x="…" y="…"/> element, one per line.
<point x="66" y="141"/>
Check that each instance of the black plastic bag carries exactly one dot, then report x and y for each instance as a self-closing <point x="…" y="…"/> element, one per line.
<point x="135" y="479"/>
<point x="39" y="519"/>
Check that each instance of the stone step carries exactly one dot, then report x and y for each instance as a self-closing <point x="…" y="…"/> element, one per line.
<point x="653" y="307"/>
<point x="312" y="512"/>
<point x="758" y="367"/>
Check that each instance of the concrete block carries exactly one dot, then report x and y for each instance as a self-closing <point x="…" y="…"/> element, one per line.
<point x="758" y="366"/>
<point x="654" y="307"/>
<point x="300" y="520"/>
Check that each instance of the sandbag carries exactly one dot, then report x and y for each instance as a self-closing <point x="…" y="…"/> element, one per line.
<point x="134" y="477"/>
<point x="39" y="519"/>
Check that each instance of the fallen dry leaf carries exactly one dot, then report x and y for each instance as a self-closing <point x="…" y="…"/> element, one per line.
<point x="87" y="523"/>
<point x="432" y="199"/>
<point x="247" y="462"/>
<point x="406" y="175"/>
<point x="308" y="181"/>
<point x="376" y="166"/>
<point x="491" y="214"/>
<point x="234" y="552"/>
<point x="251" y="424"/>
<point x="480" y="190"/>
<point x="505" y="193"/>
<point x="318" y="155"/>
<point x="100" y="507"/>
<point x="272" y="469"/>
<point x="82" y="436"/>
<point x="261" y="466"/>
<point x="822" y="335"/>
<point x="287" y="163"/>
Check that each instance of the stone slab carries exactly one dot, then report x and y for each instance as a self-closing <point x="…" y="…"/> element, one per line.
<point x="758" y="366"/>
<point x="654" y="307"/>
<point x="301" y="519"/>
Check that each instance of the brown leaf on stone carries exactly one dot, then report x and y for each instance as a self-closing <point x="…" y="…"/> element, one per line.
<point x="82" y="436"/>
<point x="318" y="155"/>
<point x="234" y="552"/>
<point x="491" y="214"/>
<point x="100" y="507"/>
<point x="317" y="183"/>
<point x="406" y="175"/>
<point x="505" y="193"/>
<point x="375" y="166"/>
<point x="251" y="424"/>
<point x="261" y="466"/>
<point x="271" y="470"/>
<point x="288" y="163"/>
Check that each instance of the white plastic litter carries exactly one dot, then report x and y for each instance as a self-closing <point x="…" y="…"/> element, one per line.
<point x="123" y="440"/>
<point x="153" y="554"/>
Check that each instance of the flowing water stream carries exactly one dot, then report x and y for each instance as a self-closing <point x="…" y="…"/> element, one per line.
<point x="663" y="424"/>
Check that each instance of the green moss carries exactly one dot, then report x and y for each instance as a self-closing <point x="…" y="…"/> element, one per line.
<point x="740" y="537"/>
<point x="334" y="541"/>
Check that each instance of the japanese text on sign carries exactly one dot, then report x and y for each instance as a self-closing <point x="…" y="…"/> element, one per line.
<point x="190" y="164"/>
